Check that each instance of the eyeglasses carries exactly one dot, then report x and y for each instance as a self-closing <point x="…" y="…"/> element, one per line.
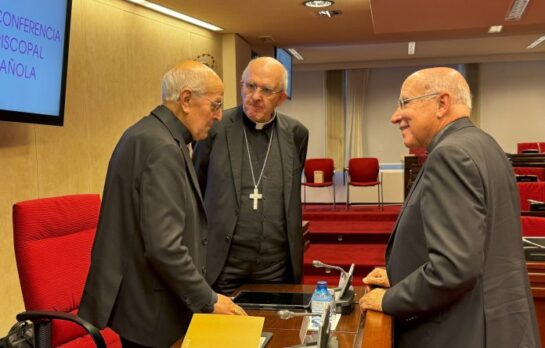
<point x="215" y="105"/>
<point x="251" y="88"/>
<point x="402" y="102"/>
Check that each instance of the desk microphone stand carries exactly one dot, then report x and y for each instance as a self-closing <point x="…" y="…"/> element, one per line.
<point x="325" y="340"/>
<point x="344" y="292"/>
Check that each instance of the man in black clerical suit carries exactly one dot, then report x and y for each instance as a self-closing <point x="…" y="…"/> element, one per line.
<point x="146" y="276"/>
<point x="249" y="170"/>
<point x="456" y="274"/>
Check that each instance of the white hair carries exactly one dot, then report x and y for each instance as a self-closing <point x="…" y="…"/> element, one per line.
<point x="175" y="80"/>
<point x="456" y="85"/>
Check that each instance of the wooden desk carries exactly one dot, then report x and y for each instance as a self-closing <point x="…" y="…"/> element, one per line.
<point x="354" y="330"/>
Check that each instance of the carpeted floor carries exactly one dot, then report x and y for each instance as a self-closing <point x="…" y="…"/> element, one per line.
<point x="343" y="236"/>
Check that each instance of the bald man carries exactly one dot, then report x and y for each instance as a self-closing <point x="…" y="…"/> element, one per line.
<point x="146" y="276"/>
<point x="250" y="174"/>
<point x="456" y="274"/>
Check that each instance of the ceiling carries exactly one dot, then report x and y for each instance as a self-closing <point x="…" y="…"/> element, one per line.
<point x="376" y="32"/>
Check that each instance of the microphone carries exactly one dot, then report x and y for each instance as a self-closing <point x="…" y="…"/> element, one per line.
<point x="532" y="201"/>
<point x="286" y="314"/>
<point x="320" y="264"/>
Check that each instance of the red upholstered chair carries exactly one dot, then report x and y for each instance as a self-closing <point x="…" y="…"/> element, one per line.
<point x="325" y="165"/>
<point x="364" y="172"/>
<point x="539" y="172"/>
<point x="530" y="190"/>
<point x="532" y="226"/>
<point x="53" y="238"/>
<point x="538" y="147"/>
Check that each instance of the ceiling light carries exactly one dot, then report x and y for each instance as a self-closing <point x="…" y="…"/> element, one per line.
<point x="537" y="42"/>
<point x="412" y="47"/>
<point x="494" y="29"/>
<point x="318" y="3"/>
<point x="175" y="14"/>
<point x="296" y="54"/>
<point x="517" y="10"/>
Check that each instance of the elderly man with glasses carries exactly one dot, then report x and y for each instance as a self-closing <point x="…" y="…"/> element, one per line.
<point x="250" y="175"/>
<point x="146" y="276"/>
<point x="455" y="271"/>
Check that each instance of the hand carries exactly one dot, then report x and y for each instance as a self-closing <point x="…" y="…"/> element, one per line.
<point x="226" y="306"/>
<point x="372" y="300"/>
<point x="377" y="277"/>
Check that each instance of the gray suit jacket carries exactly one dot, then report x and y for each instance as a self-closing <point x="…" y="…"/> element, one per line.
<point x="145" y="280"/>
<point x="455" y="259"/>
<point x="218" y="161"/>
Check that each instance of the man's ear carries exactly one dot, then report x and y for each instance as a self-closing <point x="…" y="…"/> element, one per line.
<point x="185" y="98"/>
<point x="283" y="97"/>
<point x="443" y="104"/>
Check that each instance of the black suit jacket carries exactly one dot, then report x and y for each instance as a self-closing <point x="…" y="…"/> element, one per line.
<point x="145" y="277"/>
<point x="455" y="261"/>
<point x="218" y="161"/>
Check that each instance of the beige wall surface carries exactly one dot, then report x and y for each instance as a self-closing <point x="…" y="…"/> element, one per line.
<point x="512" y="102"/>
<point x="511" y="106"/>
<point x="118" y="54"/>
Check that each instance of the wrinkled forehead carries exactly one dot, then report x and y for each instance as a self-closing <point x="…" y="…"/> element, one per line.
<point x="214" y="85"/>
<point x="412" y="86"/>
<point x="265" y="74"/>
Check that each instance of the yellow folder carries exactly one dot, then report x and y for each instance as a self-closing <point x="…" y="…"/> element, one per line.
<point x="225" y="331"/>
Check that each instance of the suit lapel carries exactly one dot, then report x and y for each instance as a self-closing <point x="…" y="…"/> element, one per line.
<point x="191" y="170"/>
<point x="233" y="134"/>
<point x="391" y="239"/>
<point x="285" y="140"/>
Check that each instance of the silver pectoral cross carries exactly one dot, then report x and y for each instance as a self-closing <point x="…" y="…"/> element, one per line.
<point x="256" y="196"/>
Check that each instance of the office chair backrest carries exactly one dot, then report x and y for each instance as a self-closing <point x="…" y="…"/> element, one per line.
<point x="363" y="169"/>
<point x="539" y="172"/>
<point x="530" y="190"/>
<point x="53" y="238"/>
<point x="537" y="147"/>
<point x="324" y="164"/>
<point x="532" y="226"/>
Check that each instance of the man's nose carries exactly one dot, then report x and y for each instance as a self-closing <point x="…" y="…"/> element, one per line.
<point x="217" y="115"/>
<point x="396" y="116"/>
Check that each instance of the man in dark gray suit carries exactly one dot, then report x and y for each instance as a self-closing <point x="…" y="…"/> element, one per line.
<point x="147" y="265"/>
<point x="456" y="274"/>
<point x="250" y="174"/>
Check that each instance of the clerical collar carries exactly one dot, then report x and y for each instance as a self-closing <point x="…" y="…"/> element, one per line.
<point x="259" y="125"/>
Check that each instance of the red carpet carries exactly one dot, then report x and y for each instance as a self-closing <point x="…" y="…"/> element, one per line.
<point x="316" y="212"/>
<point x="341" y="237"/>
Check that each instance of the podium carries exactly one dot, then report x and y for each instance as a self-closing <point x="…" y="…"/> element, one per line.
<point x="372" y="330"/>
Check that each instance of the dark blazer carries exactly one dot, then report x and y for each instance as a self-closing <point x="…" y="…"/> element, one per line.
<point x="218" y="162"/>
<point x="455" y="259"/>
<point x="145" y="278"/>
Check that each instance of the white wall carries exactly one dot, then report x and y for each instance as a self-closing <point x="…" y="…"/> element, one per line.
<point x="308" y="106"/>
<point x="512" y="110"/>
<point x="513" y="102"/>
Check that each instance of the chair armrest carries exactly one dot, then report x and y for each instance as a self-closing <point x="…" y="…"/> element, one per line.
<point x="39" y="318"/>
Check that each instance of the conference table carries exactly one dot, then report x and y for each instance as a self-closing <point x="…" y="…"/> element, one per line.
<point x="372" y="329"/>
